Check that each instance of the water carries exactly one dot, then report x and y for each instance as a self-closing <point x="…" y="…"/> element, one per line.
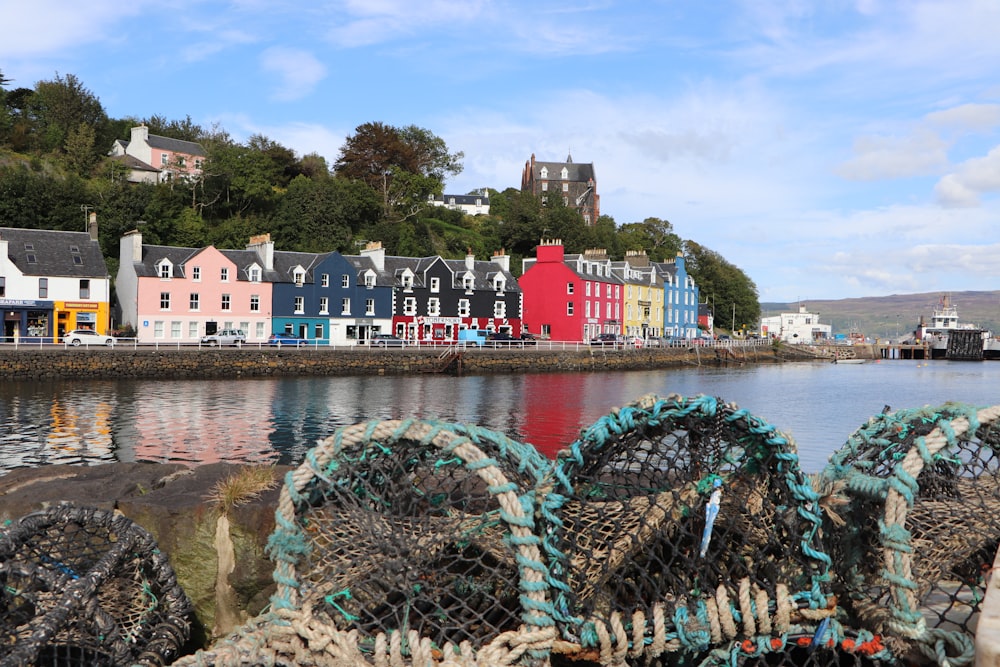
<point x="278" y="420"/>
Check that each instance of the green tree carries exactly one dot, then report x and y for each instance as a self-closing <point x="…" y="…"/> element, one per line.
<point x="653" y="235"/>
<point x="323" y="215"/>
<point x="80" y="154"/>
<point x="59" y="106"/>
<point x="404" y="166"/>
<point x="732" y="294"/>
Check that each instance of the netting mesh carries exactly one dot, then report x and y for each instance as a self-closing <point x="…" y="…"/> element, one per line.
<point x="917" y="530"/>
<point x="87" y="587"/>
<point x="680" y="525"/>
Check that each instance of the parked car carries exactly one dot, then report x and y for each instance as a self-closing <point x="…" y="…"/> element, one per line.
<point x="528" y="338"/>
<point x="225" y="337"/>
<point x="500" y="338"/>
<point x="385" y="340"/>
<point x="283" y="338"/>
<point x="605" y="339"/>
<point x="78" y="337"/>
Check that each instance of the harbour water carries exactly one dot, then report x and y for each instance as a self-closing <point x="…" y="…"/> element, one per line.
<point x="276" y="420"/>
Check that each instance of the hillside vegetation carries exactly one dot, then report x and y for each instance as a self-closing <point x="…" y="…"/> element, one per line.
<point x="877" y="317"/>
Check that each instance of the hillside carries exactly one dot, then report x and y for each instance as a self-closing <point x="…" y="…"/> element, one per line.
<point x="878" y="316"/>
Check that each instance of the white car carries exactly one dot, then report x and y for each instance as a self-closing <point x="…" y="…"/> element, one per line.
<point x="88" y="337"/>
<point x="225" y="337"/>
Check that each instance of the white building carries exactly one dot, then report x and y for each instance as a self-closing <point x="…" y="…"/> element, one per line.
<point x="800" y="327"/>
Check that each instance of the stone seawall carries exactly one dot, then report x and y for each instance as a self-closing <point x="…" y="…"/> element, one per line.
<point x="140" y="362"/>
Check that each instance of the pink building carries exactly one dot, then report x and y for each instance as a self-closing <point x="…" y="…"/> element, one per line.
<point x="151" y="158"/>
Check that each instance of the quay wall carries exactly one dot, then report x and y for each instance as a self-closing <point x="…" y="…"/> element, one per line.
<point x="76" y="364"/>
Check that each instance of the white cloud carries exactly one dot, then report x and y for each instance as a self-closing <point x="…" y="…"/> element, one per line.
<point x="878" y="157"/>
<point x="297" y="72"/>
<point x="973" y="178"/>
<point x="972" y="117"/>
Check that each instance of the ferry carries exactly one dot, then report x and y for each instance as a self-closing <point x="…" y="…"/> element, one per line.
<point x="944" y="320"/>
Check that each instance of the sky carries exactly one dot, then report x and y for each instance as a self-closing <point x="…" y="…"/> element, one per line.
<point x="830" y="149"/>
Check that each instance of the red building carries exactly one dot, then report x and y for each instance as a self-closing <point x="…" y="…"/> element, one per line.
<point x="570" y="297"/>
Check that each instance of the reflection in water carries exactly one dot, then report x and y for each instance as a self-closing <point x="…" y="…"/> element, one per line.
<point x="276" y="420"/>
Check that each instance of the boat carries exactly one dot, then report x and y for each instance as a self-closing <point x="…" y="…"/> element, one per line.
<point x="849" y="361"/>
<point x="944" y="322"/>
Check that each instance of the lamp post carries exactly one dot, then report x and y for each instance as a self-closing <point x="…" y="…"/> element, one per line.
<point x="86" y="208"/>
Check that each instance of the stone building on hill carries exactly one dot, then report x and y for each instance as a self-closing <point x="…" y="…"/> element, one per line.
<point x="575" y="182"/>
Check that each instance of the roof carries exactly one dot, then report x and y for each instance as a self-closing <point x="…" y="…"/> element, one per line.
<point x="42" y="252"/>
<point x="135" y="163"/>
<point x="175" y="145"/>
<point x="581" y="172"/>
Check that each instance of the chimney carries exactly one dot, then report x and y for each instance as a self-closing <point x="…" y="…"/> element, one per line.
<point x="502" y="259"/>
<point x="92" y="226"/>
<point x="131" y="247"/>
<point x="470" y="260"/>
<point x="375" y="251"/>
<point x="636" y="258"/>
<point x="264" y="247"/>
<point x="140" y="134"/>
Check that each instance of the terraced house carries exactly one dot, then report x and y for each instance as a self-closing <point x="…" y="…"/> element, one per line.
<point x="52" y="282"/>
<point x="642" y="302"/>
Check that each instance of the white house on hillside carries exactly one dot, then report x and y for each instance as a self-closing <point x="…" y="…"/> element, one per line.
<point x="800" y="327"/>
<point x="151" y="158"/>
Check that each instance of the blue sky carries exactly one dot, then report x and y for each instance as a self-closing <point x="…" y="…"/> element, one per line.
<point x="830" y="149"/>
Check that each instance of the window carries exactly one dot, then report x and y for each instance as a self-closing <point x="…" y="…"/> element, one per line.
<point x="196" y="273"/>
<point x="197" y="163"/>
<point x="468" y="282"/>
<point x="565" y="187"/>
<point x="545" y="186"/>
<point x="245" y="327"/>
<point x="565" y="201"/>
<point x="433" y="306"/>
<point x="369" y="306"/>
<point x="3" y="286"/>
<point x="345" y="306"/>
<point x="587" y="288"/>
<point x="300" y="277"/>
<point x="158" y="329"/>
<point x="499" y="309"/>
<point x="175" y="329"/>
<point x="260" y="330"/>
<point x="324" y="280"/>
<point x="194" y="301"/>
<point x="435" y="284"/>
<point x="163" y="159"/>
<point x="164" y="270"/>
<point x="192" y="329"/>
<point x="369" y="280"/>
<point x="345" y="281"/>
<point x="84" y="288"/>
<point x="181" y="162"/>
<point x="499" y="283"/>
<point x="463" y="308"/>
<point x="324" y="305"/>
<point x="608" y="290"/>
<point x="255" y="274"/>
<point x="318" y="332"/>
<point x="164" y="300"/>
<point x="43" y="288"/>
<point x="565" y="173"/>
<point x="569" y="307"/>
<point x="300" y="304"/>
<point x="227" y="302"/>
<point x="224" y="274"/>
<point x="545" y="172"/>
<point x="569" y="288"/>
<point x="586" y="309"/>
<point x="409" y="306"/>
<point x="77" y="260"/>
<point x="407" y="281"/>
<point x="254" y="303"/>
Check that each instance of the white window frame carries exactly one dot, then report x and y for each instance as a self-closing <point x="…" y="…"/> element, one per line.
<point x="164" y="301"/>
<point x="254" y="303"/>
<point x="300" y="305"/>
<point x="434" y="306"/>
<point x="369" y="306"/>
<point x="410" y="305"/>
<point x="227" y="303"/>
<point x="196" y="274"/>
<point x="324" y="305"/>
<point x="194" y="302"/>
<point x="435" y="284"/>
<point x="345" y="306"/>
<point x="464" y="308"/>
<point x="224" y="274"/>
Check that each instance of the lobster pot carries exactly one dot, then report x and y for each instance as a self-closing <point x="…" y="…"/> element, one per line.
<point x="682" y="528"/>
<point x="917" y="533"/>
<point x="407" y="537"/>
<point x="86" y="587"/>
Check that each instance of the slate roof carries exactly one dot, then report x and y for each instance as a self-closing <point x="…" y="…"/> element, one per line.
<point x="579" y="172"/>
<point x="152" y="254"/>
<point x="168" y="144"/>
<point x="363" y="264"/>
<point x="55" y="253"/>
<point x="133" y="162"/>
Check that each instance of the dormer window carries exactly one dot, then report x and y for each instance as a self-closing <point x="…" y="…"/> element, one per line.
<point x="166" y="270"/>
<point x="499" y="283"/>
<point x="545" y="172"/>
<point x="467" y="282"/>
<point x="369" y="280"/>
<point x="407" y="281"/>
<point x="565" y="173"/>
<point x="300" y="277"/>
<point x="255" y="274"/>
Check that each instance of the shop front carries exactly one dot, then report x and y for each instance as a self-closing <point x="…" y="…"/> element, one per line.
<point x="27" y="319"/>
<point x="71" y="315"/>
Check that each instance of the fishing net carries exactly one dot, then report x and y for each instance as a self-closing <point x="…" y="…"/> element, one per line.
<point x="87" y="587"/>
<point x="404" y="541"/>
<point x="917" y="529"/>
<point x="682" y="529"/>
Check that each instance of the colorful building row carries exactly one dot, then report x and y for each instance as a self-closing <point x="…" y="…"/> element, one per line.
<point x="52" y="282"/>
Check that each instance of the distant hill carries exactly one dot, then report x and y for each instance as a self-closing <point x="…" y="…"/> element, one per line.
<point x="877" y="316"/>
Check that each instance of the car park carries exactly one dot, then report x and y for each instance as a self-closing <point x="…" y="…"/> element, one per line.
<point x="385" y="340"/>
<point x="283" y="338"/>
<point x="224" y="337"/>
<point x="88" y="337"/>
